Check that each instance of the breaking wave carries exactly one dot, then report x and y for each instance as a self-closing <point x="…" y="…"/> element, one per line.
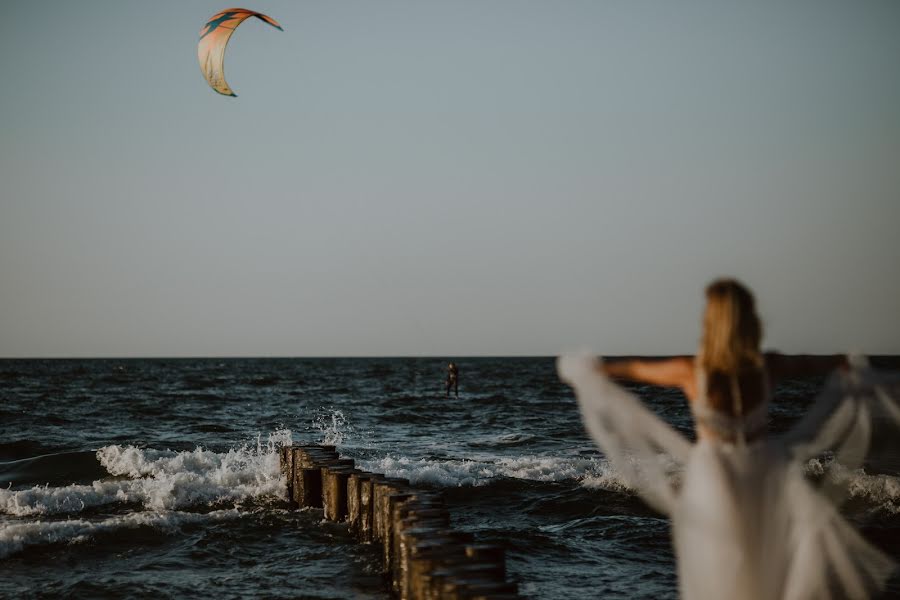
<point x="876" y="492"/>
<point x="590" y="472"/>
<point x="162" y="480"/>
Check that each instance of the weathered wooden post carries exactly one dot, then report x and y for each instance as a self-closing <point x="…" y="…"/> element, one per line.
<point x="334" y="490"/>
<point x="408" y="514"/>
<point x="367" y="506"/>
<point x="415" y="537"/>
<point x="380" y="491"/>
<point x="323" y="465"/>
<point x="353" y="505"/>
<point x="423" y="509"/>
<point x="308" y="476"/>
<point x="390" y="503"/>
<point x="428" y="548"/>
<point x="424" y="558"/>
<point x="286" y="456"/>
<point x="306" y="455"/>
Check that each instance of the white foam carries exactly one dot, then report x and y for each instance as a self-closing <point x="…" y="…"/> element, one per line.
<point x="163" y="480"/>
<point x="16" y="536"/>
<point x="879" y="492"/>
<point x="591" y="472"/>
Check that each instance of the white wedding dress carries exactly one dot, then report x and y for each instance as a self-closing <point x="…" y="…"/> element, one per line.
<point x="746" y="522"/>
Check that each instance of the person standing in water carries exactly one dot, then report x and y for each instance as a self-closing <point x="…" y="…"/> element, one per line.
<point x="452" y="379"/>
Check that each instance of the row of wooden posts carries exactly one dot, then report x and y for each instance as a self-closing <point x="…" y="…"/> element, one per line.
<point x="423" y="557"/>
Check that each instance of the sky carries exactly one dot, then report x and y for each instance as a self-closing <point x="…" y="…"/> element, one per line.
<point x="508" y="177"/>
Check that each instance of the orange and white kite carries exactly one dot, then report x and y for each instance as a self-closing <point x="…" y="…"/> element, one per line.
<point x="214" y="37"/>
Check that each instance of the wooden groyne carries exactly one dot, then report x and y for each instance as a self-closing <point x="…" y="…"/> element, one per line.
<point x="422" y="555"/>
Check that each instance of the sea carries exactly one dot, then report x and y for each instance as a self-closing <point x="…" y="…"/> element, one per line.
<point x="159" y="478"/>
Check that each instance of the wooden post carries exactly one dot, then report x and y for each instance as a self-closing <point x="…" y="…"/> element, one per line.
<point x="437" y="519"/>
<point x="428" y="549"/>
<point x="296" y="484"/>
<point x="423" y="556"/>
<point x="367" y="506"/>
<point x="353" y="500"/>
<point x="308" y="476"/>
<point x="417" y="536"/>
<point x="334" y="491"/>
<point x="308" y="458"/>
<point x="324" y="465"/>
<point x="391" y="501"/>
<point x="286" y="455"/>
<point x="422" y="511"/>
<point x="425" y="564"/>
<point x="380" y="491"/>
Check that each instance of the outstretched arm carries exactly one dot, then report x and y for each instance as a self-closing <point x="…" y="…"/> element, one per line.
<point x="677" y="371"/>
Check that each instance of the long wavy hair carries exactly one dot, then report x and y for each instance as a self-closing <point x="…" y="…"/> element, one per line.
<point x="732" y="333"/>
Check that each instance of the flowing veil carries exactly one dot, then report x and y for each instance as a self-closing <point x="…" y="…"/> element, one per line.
<point x="642" y="448"/>
<point x="841" y="423"/>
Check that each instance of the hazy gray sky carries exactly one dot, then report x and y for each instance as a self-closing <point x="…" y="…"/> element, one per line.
<point x="446" y="178"/>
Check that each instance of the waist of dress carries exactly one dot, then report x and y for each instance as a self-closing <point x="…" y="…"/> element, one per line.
<point x="730" y="436"/>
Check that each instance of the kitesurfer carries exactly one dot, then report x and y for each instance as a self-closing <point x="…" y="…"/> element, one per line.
<point x="452" y="379"/>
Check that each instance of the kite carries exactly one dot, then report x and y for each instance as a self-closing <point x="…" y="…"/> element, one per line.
<point x="214" y="37"/>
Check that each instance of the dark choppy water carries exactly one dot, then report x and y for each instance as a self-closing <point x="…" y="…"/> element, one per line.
<point x="159" y="478"/>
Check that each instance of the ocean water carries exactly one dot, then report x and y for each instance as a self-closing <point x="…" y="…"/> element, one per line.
<point x="159" y="478"/>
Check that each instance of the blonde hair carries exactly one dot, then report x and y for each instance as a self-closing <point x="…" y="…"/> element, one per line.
<point x="731" y="329"/>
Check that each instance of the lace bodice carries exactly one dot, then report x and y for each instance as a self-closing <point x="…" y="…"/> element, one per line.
<point x="722" y="427"/>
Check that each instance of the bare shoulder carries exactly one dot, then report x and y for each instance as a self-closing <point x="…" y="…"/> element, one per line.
<point x="684" y="370"/>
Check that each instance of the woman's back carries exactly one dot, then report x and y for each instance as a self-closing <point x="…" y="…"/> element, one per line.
<point x="727" y="407"/>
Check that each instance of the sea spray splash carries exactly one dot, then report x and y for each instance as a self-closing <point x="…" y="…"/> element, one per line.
<point x="163" y="480"/>
<point x="332" y="425"/>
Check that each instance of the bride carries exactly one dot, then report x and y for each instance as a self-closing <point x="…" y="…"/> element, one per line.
<point x="746" y="523"/>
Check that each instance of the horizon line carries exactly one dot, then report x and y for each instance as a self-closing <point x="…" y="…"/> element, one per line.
<point x="378" y="356"/>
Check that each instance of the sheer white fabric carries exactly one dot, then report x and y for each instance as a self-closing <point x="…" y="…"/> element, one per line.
<point x="746" y="522"/>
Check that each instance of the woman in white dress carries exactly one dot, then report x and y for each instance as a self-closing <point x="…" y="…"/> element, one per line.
<point x="746" y="523"/>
